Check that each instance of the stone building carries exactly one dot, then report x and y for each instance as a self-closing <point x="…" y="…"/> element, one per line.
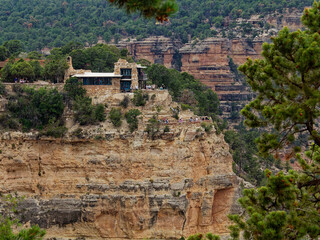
<point x="71" y="71"/>
<point x="126" y="76"/>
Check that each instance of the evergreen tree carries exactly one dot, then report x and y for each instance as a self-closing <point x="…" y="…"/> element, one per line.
<point x="22" y="69"/>
<point x="14" y="47"/>
<point x="54" y="69"/>
<point x="287" y="84"/>
<point x="280" y="210"/>
<point x="3" y="53"/>
<point x="159" y="9"/>
<point x="286" y="81"/>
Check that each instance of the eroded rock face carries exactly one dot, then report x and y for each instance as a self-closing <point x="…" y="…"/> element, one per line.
<point x="124" y="187"/>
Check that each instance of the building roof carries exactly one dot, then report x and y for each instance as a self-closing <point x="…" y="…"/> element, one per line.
<point x="96" y="74"/>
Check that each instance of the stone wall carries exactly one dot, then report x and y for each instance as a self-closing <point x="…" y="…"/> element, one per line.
<point x="71" y="71"/>
<point x="95" y="91"/>
<point x="122" y="64"/>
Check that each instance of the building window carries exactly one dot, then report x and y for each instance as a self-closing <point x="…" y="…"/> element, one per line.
<point x="97" y="81"/>
<point x="126" y="72"/>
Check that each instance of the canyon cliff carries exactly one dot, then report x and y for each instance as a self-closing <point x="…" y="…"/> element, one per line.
<point x="214" y="60"/>
<point x="110" y="183"/>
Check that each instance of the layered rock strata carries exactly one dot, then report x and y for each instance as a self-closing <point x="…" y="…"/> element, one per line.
<point x="111" y="183"/>
<point x="208" y="60"/>
<point x="160" y="50"/>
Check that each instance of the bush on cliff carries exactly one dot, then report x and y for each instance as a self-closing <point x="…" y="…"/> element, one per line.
<point x="140" y="98"/>
<point x="54" y="129"/>
<point x="85" y="113"/>
<point x="35" y="108"/>
<point x="153" y="126"/>
<point x="207" y="127"/>
<point x="73" y="88"/>
<point x="8" y="122"/>
<point x="125" y="102"/>
<point x="132" y="120"/>
<point x="115" y="117"/>
<point x="199" y="236"/>
<point x="99" y="113"/>
<point x="2" y="89"/>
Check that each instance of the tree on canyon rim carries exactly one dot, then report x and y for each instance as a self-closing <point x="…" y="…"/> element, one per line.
<point x="286" y="82"/>
<point x="158" y="9"/>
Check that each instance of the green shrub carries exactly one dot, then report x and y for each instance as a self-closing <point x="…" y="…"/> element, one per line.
<point x="54" y="130"/>
<point x="98" y="137"/>
<point x="166" y="129"/>
<point x="78" y="133"/>
<point x="35" y="108"/>
<point x="185" y="89"/>
<point x="8" y="122"/>
<point x="17" y="88"/>
<point x="115" y="117"/>
<point x="153" y="126"/>
<point x="73" y="88"/>
<point x="2" y="89"/>
<point x="49" y="103"/>
<point x="199" y="236"/>
<point x="158" y="108"/>
<point x="206" y="127"/>
<point x="140" y="98"/>
<point x="185" y="106"/>
<point x="125" y="102"/>
<point x="85" y="113"/>
<point x="99" y="113"/>
<point x="132" y="120"/>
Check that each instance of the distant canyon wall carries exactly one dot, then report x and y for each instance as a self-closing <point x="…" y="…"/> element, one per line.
<point x="208" y="59"/>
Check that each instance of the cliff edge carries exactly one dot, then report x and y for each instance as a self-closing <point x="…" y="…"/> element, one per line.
<point x="122" y="184"/>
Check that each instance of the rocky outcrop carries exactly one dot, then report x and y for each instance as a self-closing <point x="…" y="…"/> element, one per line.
<point x="208" y="60"/>
<point x="159" y="50"/>
<point x="111" y="183"/>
